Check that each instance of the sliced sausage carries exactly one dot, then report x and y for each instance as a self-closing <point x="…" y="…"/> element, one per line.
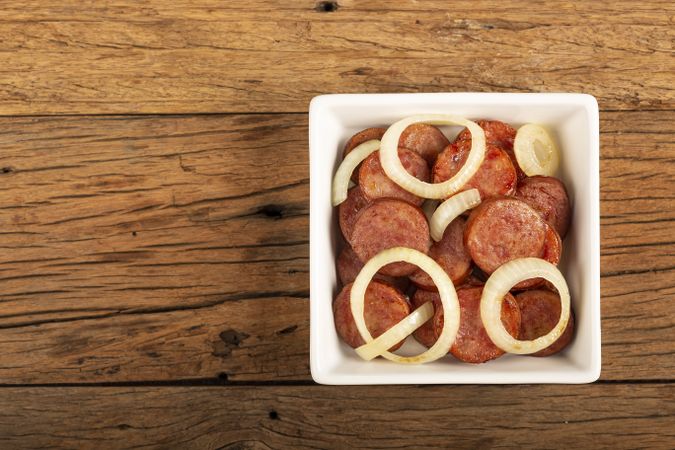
<point x="359" y="138"/>
<point x="472" y="344"/>
<point x="496" y="176"/>
<point x="552" y="253"/>
<point x="503" y="229"/>
<point x="349" y="210"/>
<point x="375" y="183"/>
<point x="384" y="307"/>
<point x="497" y="133"/>
<point x="349" y="265"/>
<point x="450" y="254"/>
<point x="540" y="312"/>
<point x="387" y="223"/>
<point x="426" y="334"/>
<point x="548" y="196"/>
<point x="427" y="140"/>
<point x="552" y="246"/>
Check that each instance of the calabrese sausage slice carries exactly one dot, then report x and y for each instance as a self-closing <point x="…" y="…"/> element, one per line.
<point x="450" y="254"/>
<point x="349" y="210"/>
<point x="500" y="134"/>
<point x="427" y="140"/>
<point x="547" y="196"/>
<point x="472" y="344"/>
<point x="540" y="311"/>
<point x="387" y="223"/>
<point x="503" y="229"/>
<point x="552" y="253"/>
<point x="384" y="307"/>
<point x="496" y="176"/>
<point x="426" y="334"/>
<point x="349" y="265"/>
<point x="375" y="183"/>
<point x="552" y="246"/>
<point x="359" y="138"/>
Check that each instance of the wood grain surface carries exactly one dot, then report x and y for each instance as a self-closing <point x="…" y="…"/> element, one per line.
<point x="298" y="417"/>
<point x="154" y="190"/>
<point x="261" y="56"/>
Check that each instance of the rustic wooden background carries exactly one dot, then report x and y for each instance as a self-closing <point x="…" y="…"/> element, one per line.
<point x="154" y="218"/>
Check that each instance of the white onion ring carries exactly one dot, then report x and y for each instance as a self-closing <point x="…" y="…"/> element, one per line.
<point x="396" y="172"/>
<point x="397" y="333"/>
<point x="450" y="209"/>
<point x="347" y="166"/>
<point x="446" y="290"/>
<point x="499" y="284"/>
<point x="528" y="138"/>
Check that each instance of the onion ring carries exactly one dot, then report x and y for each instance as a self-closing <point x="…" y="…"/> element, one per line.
<point x="397" y="333"/>
<point x="344" y="173"/>
<point x="450" y="209"/>
<point x="396" y="172"/>
<point x="499" y="284"/>
<point x="446" y="291"/>
<point x="536" y="151"/>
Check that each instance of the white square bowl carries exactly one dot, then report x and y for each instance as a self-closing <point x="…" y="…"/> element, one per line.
<point x="573" y="118"/>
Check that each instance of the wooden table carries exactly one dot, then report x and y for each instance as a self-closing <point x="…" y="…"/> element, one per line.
<point x="154" y="218"/>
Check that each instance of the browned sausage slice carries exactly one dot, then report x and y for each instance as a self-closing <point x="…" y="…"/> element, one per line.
<point x="503" y="229"/>
<point x="375" y="183"/>
<point x="349" y="210"/>
<point x="387" y="223"/>
<point x="552" y="246"/>
<point x="500" y="134"/>
<point x="426" y="334"/>
<point x="496" y="132"/>
<point x="495" y="177"/>
<point x="540" y="312"/>
<point x="472" y="344"/>
<point x="358" y="139"/>
<point x="548" y="196"/>
<point x="427" y="140"/>
<point x="552" y="253"/>
<point x="349" y="265"/>
<point x="450" y="254"/>
<point x="384" y="307"/>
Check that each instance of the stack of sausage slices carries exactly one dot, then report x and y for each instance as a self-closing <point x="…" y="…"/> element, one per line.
<point x="516" y="216"/>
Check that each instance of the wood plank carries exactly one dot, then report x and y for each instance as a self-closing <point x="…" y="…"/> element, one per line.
<point x="181" y="205"/>
<point x="172" y="240"/>
<point x="263" y="56"/>
<point x="637" y="181"/>
<point x="263" y="338"/>
<point x="167" y="248"/>
<point x="609" y="416"/>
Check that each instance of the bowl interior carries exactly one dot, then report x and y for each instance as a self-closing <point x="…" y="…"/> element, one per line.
<point x="572" y="118"/>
